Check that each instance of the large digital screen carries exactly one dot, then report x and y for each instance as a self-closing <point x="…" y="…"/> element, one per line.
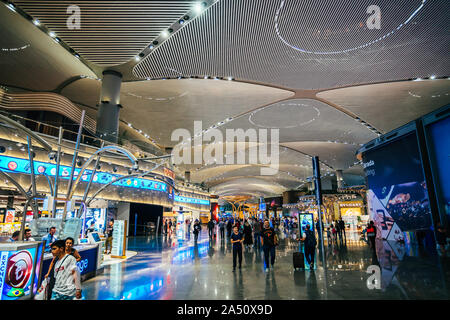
<point x="440" y="147"/>
<point x="16" y="273"/>
<point x="191" y="200"/>
<point x="17" y="165"/>
<point x="397" y="195"/>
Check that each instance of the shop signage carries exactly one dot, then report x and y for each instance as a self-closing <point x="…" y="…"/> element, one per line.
<point x="17" y="165"/>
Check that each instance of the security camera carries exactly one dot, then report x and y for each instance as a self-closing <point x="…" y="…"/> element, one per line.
<point x="135" y="167"/>
<point x="52" y="155"/>
<point x="114" y="169"/>
<point x="79" y="163"/>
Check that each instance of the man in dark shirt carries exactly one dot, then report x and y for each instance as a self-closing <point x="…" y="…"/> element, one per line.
<point x="197" y="229"/>
<point x="211" y="228"/>
<point x="342" y="228"/>
<point x="237" y="239"/>
<point x="268" y="242"/>
<point x="109" y="237"/>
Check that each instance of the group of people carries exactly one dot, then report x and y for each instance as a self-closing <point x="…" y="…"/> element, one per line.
<point x="336" y="231"/>
<point x="248" y="233"/>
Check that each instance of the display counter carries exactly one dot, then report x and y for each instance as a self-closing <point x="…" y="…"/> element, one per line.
<point x="88" y="266"/>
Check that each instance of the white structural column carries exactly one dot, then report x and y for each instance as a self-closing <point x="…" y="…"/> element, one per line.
<point x="109" y="106"/>
<point x="340" y="179"/>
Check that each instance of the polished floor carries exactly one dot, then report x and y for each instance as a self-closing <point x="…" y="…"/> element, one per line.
<point x="173" y="267"/>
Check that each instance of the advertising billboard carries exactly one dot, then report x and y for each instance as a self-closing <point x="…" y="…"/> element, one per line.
<point x="397" y="195"/>
<point x="18" y="165"/>
<point x="439" y="133"/>
<point x="16" y="273"/>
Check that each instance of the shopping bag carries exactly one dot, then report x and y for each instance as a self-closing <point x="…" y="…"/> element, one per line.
<point x="42" y="291"/>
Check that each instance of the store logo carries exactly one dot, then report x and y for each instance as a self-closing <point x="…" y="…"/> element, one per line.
<point x="247" y="146"/>
<point x="82" y="265"/>
<point x="18" y="269"/>
<point x="12" y="165"/>
<point x="374" y="281"/>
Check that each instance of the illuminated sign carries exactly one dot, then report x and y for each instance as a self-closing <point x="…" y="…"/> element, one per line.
<point x="17" y="165"/>
<point x="191" y="200"/>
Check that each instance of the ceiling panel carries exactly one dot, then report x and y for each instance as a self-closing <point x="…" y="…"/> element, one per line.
<point x="111" y="32"/>
<point x="390" y="105"/>
<point x="305" y="120"/>
<point x="308" y="44"/>
<point x="161" y="106"/>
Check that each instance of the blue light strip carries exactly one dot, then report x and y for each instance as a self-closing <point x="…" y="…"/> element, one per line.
<point x="17" y="165"/>
<point x="191" y="200"/>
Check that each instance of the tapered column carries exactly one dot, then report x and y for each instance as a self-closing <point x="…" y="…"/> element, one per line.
<point x="340" y="179"/>
<point x="109" y="106"/>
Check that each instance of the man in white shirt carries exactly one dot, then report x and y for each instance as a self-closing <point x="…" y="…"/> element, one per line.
<point x="67" y="282"/>
<point x="28" y="235"/>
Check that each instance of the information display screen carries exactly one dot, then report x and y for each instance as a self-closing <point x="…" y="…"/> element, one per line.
<point x="397" y="196"/>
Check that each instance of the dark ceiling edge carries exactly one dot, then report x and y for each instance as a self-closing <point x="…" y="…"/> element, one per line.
<point x="44" y="29"/>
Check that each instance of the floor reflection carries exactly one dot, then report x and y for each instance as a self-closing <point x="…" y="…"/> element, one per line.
<point x="174" y="267"/>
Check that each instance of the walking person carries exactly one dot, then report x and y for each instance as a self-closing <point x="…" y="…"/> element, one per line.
<point x="237" y="239"/>
<point x="222" y="229"/>
<point x="338" y="230"/>
<point x="342" y="228"/>
<point x="211" y="228"/>
<point x="268" y="242"/>
<point x="248" y="238"/>
<point x="197" y="229"/>
<point x="333" y="234"/>
<point x="109" y="237"/>
<point x="371" y="234"/>
<point x="67" y="281"/>
<point x="257" y="233"/>
<point x="229" y="227"/>
<point x="309" y="239"/>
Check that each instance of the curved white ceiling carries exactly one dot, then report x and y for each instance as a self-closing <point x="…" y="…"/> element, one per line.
<point x="390" y="105"/>
<point x="260" y="41"/>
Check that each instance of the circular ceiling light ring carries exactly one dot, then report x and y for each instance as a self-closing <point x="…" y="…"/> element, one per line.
<point x="285" y="127"/>
<point x="346" y="50"/>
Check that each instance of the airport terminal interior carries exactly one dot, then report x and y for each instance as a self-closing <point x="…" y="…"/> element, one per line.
<point x="225" y="150"/>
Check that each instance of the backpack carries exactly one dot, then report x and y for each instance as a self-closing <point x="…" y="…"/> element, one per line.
<point x="310" y="238"/>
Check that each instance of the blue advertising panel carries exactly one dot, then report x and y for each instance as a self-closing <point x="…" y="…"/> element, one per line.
<point x="440" y="147"/>
<point x="17" y="165"/>
<point x="305" y="219"/>
<point x="88" y="262"/>
<point x="191" y="200"/>
<point x="16" y="273"/>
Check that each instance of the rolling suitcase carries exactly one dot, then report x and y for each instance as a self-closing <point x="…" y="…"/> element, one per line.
<point x="299" y="260"/>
